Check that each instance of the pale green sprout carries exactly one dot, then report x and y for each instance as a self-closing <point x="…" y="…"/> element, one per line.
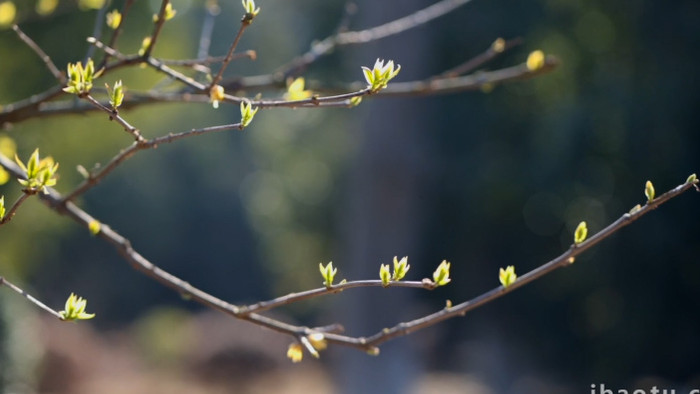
<point x="507" y="276"/>
<point x="581" y="233"/>
<point x="114" y="19"/>
<point x="384" y="274"/>
<point x="401" y="267"/>
<point x="441" y="276"/>
<point x="535" y="60"/>
<point x="169" y="13"/>
<point x="40" y="173"/>
<point x="295" y="90"/>
<point x="692" y="178"/>
<point x="247" y="113"/>
<point x="94" y="226"/>
<point x="2" y="207"/>
<point x="4" y="176"/>
<point x="379" y="76"/>
<point x="80" y="77"/>
<point x="649" y="191"/>
<point x="250" y="10"/>
<point x="75" y="309"/>
<point x="116" y="95"/>
<point x="145" y="43"/>
<point x="355" y="101"/>
<point x="328" y="273"/>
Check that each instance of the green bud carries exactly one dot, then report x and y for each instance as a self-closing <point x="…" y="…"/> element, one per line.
<point x="379" y="76"/>
<point x="75" y="309"/>
<point x="400" y="268"/>
<point x="507" y="276"/>
<point x="116" y="96"/>
<point x="328" y="273"/>
<point x="691" y="179"/>
<point x="441" y="276"/>
<point x="384" y="274"/>
<point x="94" y="226"/>
<point x="649" y="191"/>
<point x="250" y="10"/>
<point x="247" y="113"/>
<point x="581" y="233"/>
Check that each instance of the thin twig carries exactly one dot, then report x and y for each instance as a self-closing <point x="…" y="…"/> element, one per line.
<point x="159" y="22"/>
<point x="115" y="35"/>
<point x="397" y="26"/>
<point x="481" y="59"/>
<point x="229" y="56"/>
<point x="114" y="115"/>
<point x="42" y="55"/>
<point x="30" y="108"/>
<point x="563" y="260"/>
<point x="11" y="212"/>
<point x="136" y="146"/>
<point x="473" y="81"/>
<point x="305" y="295"/>
<point x="29" y="297"/>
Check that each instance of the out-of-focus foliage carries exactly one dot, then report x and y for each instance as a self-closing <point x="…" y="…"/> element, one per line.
<point x="250" y="214"/>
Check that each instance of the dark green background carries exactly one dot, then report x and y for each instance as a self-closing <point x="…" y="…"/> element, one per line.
<point x="483" y="180"/>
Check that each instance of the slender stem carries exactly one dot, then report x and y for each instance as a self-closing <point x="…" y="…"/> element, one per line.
<point x="245" y="22"/>
<point x="397" y="26"/>
<point x="156" y="30"/>
<point x="564" y="260"/>
<point x="42" y="55"/>
<point x="137" y="146"/>
<point x="114" y="115"/>
<point x="304" y="295"/>
<point x="29" y="297"/>
<point x="481" y="59"/>
<point x="115" y="35"/>
<point x="11" y="212"/>
<point x="468" y="82"/>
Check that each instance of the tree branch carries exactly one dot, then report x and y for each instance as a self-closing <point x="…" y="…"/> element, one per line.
<point x="137" y="146"/>
<point x="29" y="297"/>
<point x="42" y="55"/>
<point x="11" y="212"/>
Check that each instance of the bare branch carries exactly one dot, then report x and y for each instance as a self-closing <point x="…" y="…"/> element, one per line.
<point x="481" y="59"/>
<point x="305" y="295"/>
<point x="564" y="260"/>
<point x="29" y="297"/>
<point x="42" y="55"/>
<point x="244" y="25"/>
<point x="11" y="212"/>
<point x="397" y="26"/>
<point x="139" y="145"/>
<point x="159" y="22"/>
<point x="115" y="35"/>
<point x="114" y="115"/>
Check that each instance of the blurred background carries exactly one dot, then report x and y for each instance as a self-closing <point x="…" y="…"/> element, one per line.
<point x="482" y="179"/>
